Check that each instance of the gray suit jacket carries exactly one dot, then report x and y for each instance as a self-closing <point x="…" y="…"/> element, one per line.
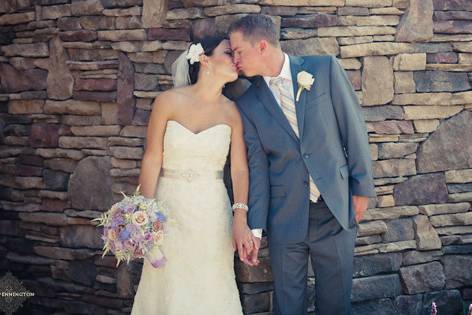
<point x="333" y="149"/>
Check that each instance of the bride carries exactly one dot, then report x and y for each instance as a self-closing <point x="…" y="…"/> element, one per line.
<point x="191" y="130"/>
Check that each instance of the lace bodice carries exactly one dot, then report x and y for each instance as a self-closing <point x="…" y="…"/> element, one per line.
<point x="196" y="151"/>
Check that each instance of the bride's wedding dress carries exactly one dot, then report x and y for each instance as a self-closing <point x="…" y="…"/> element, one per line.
<point x="198" y="277"/>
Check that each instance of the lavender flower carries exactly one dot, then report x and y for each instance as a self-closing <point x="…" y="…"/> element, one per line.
<point x="160" y="217"/>
<point x="124" y="235"/>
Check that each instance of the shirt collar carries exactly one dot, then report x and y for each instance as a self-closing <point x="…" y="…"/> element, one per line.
<point x="284" y="73"/>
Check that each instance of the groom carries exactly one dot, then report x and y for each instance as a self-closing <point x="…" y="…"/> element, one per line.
<point x="310" y="166"/>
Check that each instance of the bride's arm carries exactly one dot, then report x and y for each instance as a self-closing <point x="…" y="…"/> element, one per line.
<point x="152" y="158"/>
<point x="239" y="167"/>
<point x="242" y="236"/>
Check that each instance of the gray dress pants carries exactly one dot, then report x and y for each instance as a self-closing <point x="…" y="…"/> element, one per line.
<point x="331" y="249"/>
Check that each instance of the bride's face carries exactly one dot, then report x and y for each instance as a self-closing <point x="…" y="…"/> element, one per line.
<point x="221" y="62"/>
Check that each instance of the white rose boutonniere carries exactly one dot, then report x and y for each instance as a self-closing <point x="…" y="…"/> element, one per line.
<point x="305" y="81"/>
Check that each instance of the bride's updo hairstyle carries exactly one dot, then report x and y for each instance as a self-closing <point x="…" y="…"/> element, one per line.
<point x="209" y="43"/>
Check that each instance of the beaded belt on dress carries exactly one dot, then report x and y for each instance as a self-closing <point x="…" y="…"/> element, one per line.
<point x="189" y="174"/>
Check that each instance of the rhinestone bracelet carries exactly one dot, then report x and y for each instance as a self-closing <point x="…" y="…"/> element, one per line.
<point x="239" y="205"/>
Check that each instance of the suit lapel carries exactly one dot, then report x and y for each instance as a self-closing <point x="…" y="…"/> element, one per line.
<point x="296" y="67"/>
<point x="268" y="100"/>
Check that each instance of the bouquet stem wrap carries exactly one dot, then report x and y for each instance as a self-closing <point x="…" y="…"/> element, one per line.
<point x="156" y="257"/>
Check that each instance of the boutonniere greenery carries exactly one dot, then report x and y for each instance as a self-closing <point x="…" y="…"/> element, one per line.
<point x="305" y="81"/>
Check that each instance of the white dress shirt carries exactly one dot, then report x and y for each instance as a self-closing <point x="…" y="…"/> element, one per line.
<point x="285" y="73"/>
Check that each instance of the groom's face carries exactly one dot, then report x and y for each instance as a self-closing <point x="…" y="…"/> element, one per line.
<point x="245" y="54"/>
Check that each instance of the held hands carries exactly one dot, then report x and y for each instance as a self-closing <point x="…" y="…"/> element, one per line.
<point x="244" y="241"/>
<point x="253" y="256"/>
<point x="360" y="204"/>
<point x="248" y="245"/>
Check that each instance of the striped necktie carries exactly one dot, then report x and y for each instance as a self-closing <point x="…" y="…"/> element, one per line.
<point x="287" y="105"/>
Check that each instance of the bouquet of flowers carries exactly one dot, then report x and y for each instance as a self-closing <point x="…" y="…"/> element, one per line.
<point x="134" y="228"/>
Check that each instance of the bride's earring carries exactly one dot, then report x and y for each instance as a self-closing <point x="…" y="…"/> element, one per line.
<point x="208" y="70"/>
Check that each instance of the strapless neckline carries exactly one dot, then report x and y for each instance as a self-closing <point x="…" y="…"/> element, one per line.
<point x="205" y="150"/>
<point x="200" y="132"/>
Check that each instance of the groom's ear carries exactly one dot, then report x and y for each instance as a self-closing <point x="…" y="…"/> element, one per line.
<point x="262" y="46"/>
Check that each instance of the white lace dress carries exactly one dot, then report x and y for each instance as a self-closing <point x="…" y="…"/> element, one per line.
<point x="199" y="276"/>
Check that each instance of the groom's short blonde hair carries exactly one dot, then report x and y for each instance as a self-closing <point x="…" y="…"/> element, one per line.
<point x="255" y="27"/>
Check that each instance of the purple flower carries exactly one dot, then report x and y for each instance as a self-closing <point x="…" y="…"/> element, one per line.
<point x="130" y="245"/>
<point x="117" y="220"/>
<point x="133" y="228"/>
<point x="137" y="237"/>
<point x="161" y="217"/>
<point x="130" y="208"/>
<point x="124" y="234"/>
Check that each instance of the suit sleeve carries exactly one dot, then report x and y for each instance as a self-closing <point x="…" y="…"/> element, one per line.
<point x="258" y="177"/>
<point x="353" y="131"/>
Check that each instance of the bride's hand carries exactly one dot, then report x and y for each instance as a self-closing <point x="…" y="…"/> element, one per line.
<point x="242" y="236"/>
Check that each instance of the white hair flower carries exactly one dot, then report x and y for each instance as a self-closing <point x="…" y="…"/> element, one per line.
<point x="194" y="53"/>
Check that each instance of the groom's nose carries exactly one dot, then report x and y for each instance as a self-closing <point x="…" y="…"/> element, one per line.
<point x="235" y="58"/>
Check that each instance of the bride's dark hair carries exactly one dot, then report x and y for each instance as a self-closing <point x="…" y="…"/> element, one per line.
<point x="209" y="43"/>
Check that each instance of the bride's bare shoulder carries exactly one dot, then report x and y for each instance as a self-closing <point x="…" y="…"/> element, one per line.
<point x="172" y="97"/>
<point x="232" y="110"/>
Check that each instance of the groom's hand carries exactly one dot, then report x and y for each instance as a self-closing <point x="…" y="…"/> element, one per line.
<point x="242" y="236"/>
<point x="360" y="204"/>
<point x="253" y="255"/>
